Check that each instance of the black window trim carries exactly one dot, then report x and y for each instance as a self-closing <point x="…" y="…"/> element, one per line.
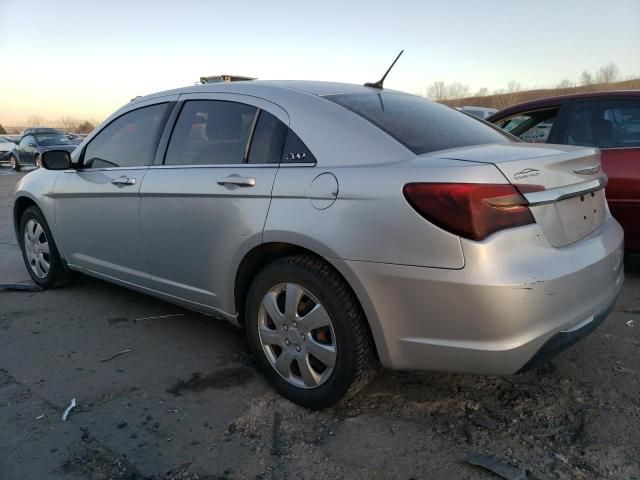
<point x="170" y="107"/>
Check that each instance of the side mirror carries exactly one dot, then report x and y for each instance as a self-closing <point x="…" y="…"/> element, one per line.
<point x="56" y="160"/>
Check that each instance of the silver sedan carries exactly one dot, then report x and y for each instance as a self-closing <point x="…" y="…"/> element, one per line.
<point x="342" y="226"/>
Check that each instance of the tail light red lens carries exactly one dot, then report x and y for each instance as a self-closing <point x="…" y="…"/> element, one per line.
<point x="471" y="210"/>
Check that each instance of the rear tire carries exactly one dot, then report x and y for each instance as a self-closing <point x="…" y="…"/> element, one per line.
<point x="39" y="251"/>
<point x="308" y="333"/>
<point x="15" y="163"/>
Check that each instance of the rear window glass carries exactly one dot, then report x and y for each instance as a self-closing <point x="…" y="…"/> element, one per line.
<point x="419" y="124"/>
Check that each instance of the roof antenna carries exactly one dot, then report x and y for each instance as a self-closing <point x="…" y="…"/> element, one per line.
<point x="379" y="83"/>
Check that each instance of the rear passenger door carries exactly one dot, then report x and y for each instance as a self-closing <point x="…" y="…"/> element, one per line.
<point x="613" y="125"/>
<point x="205" y="201"/>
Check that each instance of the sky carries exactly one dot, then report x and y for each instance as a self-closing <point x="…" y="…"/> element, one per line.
<point x="87" y="58"/>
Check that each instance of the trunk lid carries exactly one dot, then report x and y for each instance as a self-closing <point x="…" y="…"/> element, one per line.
<point x="570" y="203"/>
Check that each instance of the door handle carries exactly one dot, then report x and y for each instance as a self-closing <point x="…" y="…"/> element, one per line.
<point x="123" y="180"/>
<point x="238" y="181"/>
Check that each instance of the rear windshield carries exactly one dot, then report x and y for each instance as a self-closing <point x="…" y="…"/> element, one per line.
<point x="419" y="124"/>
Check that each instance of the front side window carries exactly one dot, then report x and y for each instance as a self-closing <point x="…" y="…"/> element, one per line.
<point x="533" y="127"/>
<point x="28" y="140"/>
<point x="605" y="124"/>
<point x="128" y="141"/>
<point x="210" y="132"/>
<point x="419" y="124"/>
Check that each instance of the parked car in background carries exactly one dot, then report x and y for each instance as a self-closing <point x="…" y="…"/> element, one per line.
<point x="75" y="138"/>
<point x="6" y="147"/>
<point x="479" y="112"/>
<point x="34" y="141"/>
<point x="340" y="225"/>
<point x="607" y="120"/>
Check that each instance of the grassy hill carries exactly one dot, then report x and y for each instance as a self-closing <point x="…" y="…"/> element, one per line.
<point x="504" y="100"/>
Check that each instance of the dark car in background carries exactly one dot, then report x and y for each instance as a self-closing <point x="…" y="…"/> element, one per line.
<point x="607" y="120"/>
<point x="34" y="141"/>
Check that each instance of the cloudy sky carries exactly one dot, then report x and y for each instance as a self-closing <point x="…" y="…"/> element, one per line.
<point x="85" y="59"/>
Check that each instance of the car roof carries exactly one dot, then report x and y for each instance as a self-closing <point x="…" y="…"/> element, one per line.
<point x="35" y="131"/>
<point x="309" y="87"/>
<point x="542" y="102"/>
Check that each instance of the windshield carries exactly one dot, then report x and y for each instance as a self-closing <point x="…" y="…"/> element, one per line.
<point x="419" y="124"/>
<point x="47" y="139"/>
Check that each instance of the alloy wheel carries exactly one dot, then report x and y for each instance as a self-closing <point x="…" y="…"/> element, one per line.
<point x="297" y="335"/>
<point x="36" y="246"/>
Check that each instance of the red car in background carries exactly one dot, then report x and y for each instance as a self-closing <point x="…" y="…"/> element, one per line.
<point x="607" y="120"/>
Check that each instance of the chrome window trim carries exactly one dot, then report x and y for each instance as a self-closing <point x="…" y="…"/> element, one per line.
<point x="618" y="148"/>
<point x="213" y="165"/>
<point x="299" y="164"/>
<point x="233" y="165"/>
<point x="561" y="193"/>
<point x="106" y="169"/>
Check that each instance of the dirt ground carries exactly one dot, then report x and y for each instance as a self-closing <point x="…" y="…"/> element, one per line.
<point x="186" y="402"/>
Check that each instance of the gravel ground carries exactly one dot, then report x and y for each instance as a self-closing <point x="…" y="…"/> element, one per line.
<point x="186" y="402"/>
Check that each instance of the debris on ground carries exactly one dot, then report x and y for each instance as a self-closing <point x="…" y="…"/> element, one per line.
<point x="491" y="463"/>
<point x="66" y="412"/>
<point x="40" y="416"/>
<point x="275" y="434"/>
<point x="160" y="316"/>
<point x="27" y="287"/>
<point x="621" y="369"/>
<point x="629" y="323"/>
<point x="115" y="355"/>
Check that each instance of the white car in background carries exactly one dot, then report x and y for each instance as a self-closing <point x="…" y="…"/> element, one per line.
<point x="6" y="147"/>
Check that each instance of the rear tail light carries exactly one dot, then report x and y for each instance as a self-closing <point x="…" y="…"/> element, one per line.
<point x="471" y="210"/>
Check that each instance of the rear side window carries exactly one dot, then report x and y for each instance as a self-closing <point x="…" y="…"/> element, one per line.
<point x="295" y="151"/>
<point x="274" y="142"/>
<point x="211" y="132"/>
<point x="268" y="139"/>
<point x="128" y="141"/>
<point x="533" y="127"/>
<point x="419" y="124"/>
<point x="605" y="124"/>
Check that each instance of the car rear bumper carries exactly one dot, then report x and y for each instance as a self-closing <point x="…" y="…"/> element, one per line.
<point x="515" y="295"/>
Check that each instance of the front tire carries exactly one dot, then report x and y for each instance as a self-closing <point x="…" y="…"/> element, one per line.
<point x="39" y="251"/>
<point x="308" y="333"/>
<point x="15" y="163"/>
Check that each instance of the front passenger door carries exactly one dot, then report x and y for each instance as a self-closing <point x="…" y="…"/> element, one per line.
<point x="26" y="149"/>
<point x="97" y="205"/>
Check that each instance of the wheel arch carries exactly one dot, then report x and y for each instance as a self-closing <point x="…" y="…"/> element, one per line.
<point x="262" y="255"/>
<point x="20" y="205"/>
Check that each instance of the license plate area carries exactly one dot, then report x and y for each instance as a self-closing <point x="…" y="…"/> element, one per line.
<point x="569" y="220"/>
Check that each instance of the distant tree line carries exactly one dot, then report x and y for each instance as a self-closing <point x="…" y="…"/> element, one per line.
<point x="439" y="91"/>
<point x="66" y="124"/>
